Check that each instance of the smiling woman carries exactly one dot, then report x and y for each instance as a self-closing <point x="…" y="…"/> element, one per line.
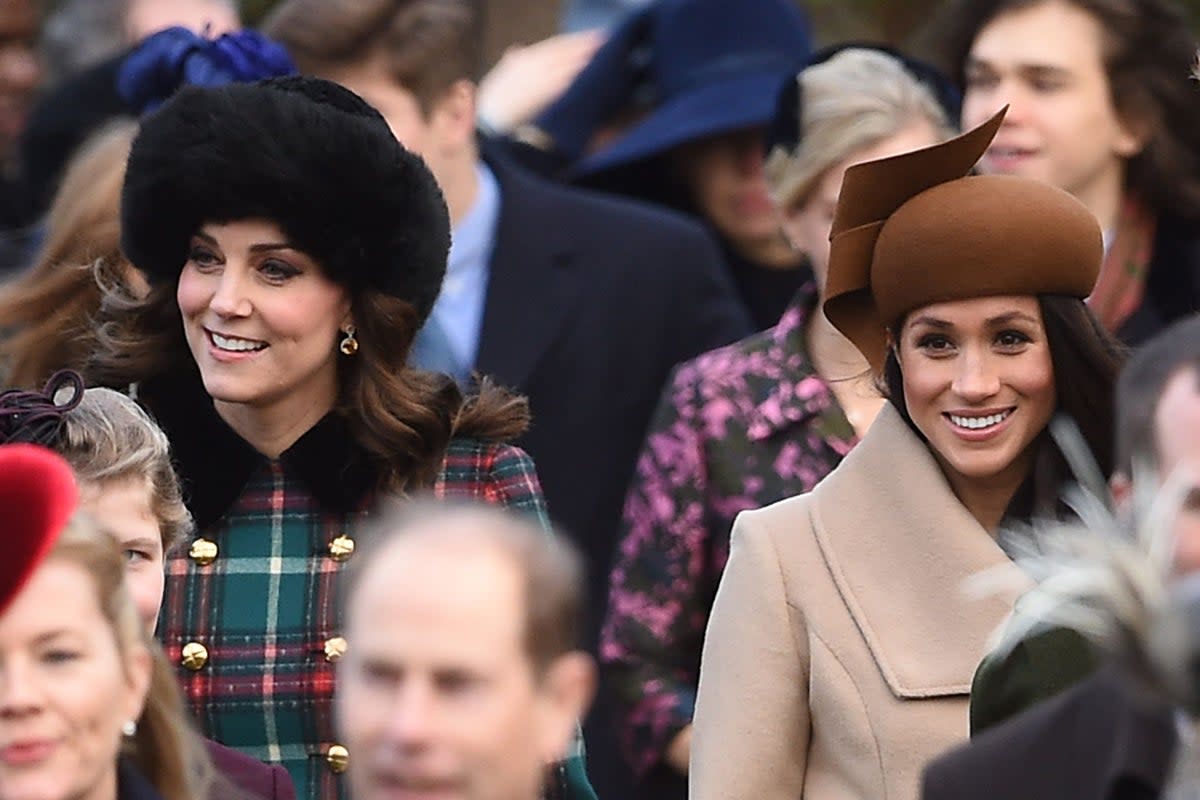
<point x="87" y="705"/>
<point x="293" y="249"/>
<point x="259" y="316"/>
<point x="841" y="634"/>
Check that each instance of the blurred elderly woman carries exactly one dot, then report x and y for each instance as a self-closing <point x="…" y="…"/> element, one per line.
<point x="754" y="422"/>
<point x="122" y="462"/>
<point x="87" y="705"/>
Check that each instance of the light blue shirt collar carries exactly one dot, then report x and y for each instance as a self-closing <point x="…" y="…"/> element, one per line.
<point x="449" y="341"/>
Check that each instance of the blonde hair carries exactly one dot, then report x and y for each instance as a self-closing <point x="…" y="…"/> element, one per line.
<point x="47" y="311"/>
<point x="108" y="438"/>
<point x="853" y="101"/>
<point x="166" y="749"/>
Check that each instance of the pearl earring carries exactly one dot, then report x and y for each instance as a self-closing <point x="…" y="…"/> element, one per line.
<point x="129" y="728"/>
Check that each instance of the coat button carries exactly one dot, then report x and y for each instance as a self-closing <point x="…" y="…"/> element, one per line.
<point x="195" y="656"/>
<point x="335" y="648"/>
<point x="203" y="552"/>
<point x="341" y="548"/>
<point x="338" y="758"/>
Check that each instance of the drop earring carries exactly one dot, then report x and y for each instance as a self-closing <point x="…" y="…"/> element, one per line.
<point x="349" y="345"/>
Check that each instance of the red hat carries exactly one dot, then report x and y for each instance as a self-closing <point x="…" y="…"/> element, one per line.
<point x="38" y="495"/>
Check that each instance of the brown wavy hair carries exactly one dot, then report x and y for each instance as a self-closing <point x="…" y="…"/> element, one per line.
<point x="1149" y="53"/>
<point x="165" y="748"/>
<point x="46" y="313"/>
<point x="401" y="416"/>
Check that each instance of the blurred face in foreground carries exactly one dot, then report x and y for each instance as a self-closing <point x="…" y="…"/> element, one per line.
<point x="438" y="696"/>
<point x="66" y="689"/>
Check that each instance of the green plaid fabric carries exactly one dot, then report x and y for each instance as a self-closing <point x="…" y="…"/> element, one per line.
<point x="264" y="610"/>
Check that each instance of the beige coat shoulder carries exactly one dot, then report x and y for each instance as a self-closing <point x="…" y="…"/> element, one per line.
<point x="841" y="646"/>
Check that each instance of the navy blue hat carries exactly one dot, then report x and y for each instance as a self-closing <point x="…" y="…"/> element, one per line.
<point x="716" y="67"/>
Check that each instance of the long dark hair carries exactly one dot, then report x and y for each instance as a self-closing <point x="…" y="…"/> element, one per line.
<point x="1148" y="52"/>
<point x="1087" y="360"/>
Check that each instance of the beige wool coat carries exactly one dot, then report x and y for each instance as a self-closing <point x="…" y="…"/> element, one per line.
<point x="841" y="647"/>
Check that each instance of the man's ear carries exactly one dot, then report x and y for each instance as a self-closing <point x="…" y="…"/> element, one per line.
<point x="452" y="117"/>
<point x="1135" y="132"/>
<point x="566" y="692"/>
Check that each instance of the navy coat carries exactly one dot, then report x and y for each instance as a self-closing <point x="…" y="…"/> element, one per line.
<point x="590" y="302"/>
<point x="1099" y="740"/>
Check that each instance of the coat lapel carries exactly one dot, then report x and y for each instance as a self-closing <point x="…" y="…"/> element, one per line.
<point x="900" y="546"/>
<point x="533" y="283"/>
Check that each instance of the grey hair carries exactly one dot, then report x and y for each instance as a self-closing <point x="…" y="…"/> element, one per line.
<point x="109" y="438"/>
<point x="853" y="101"/>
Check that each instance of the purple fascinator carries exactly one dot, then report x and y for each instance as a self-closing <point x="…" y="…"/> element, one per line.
<point x="177" y="57"/>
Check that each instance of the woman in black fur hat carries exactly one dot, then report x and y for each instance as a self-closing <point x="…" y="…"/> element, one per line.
<point x="293" y="250"/>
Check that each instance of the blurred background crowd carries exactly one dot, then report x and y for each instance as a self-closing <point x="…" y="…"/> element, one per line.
<point x="604" y="296"/>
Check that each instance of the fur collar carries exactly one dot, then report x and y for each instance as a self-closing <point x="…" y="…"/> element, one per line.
<point x="214" y="462"/>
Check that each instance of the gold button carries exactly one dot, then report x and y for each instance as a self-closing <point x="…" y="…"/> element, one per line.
<point x="195" y="656"/>
<point x="338" y="758"/>
<point x="203" y="552"/>
<point x="335" y="648"/>
<point x="341" y="548"/>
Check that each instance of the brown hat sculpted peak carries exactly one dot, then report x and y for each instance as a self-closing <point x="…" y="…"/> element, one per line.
<point x="917" y="229"/>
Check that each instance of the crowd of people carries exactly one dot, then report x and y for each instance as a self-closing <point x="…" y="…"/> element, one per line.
<point x="630" y="421"/>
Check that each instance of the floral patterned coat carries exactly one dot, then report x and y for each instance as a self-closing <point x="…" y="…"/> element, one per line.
<point x="737" y="428"/>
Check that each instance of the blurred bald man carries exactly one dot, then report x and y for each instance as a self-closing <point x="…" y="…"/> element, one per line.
<point x="463" y="676"/>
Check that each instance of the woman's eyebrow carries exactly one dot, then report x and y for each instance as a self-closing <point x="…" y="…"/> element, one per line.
<point x="932" y="322"/>
<point x="269" y="246"/>
<point x="1012" y="316"/>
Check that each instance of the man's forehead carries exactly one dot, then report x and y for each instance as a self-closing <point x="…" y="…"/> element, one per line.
<point x="446" y="579"/>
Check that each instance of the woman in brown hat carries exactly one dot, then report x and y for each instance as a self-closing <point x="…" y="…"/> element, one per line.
<point x="842" y="644"/>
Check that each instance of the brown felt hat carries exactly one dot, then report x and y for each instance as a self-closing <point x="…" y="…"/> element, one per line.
<point x="916" y="229"/>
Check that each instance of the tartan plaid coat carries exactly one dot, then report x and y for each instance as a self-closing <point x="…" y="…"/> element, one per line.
<point x="263" y="608"/>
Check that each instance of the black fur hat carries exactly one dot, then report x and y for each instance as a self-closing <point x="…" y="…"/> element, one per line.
<point x="307" y="154"/>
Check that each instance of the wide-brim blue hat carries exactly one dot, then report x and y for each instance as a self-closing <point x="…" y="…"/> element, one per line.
<point x="717" y="67"/>
<point x="744" y="101"/>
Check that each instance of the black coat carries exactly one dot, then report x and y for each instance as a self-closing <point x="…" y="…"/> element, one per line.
<point x="1172" y="284"/>
<point x="132" y="784"/>
<point x="591" y="301"/>
<point x="1096" y="741"/>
